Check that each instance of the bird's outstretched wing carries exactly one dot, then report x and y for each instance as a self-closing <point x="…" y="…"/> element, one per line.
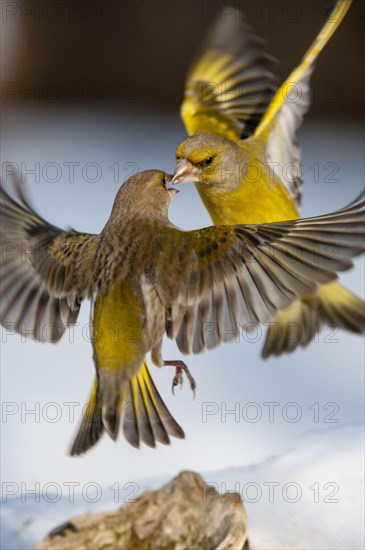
<point x="231" y="83"/>
<point x="216" y="280"/>
<point x="43" y="270"/>
<point x="284" y="116"/>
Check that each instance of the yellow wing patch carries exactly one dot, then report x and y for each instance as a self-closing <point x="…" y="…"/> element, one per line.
<point x="231" y="84"/>
<point x="207" y="89"/>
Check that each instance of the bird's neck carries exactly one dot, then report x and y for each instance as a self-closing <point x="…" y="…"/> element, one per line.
<point x="259" y="197"/>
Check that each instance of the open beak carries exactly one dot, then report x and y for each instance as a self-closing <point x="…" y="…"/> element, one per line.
<point x="173" y="192"/>
<point x="185" y="171"/>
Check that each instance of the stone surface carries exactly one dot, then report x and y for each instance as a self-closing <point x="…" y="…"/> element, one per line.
<point x="185" y="514"/>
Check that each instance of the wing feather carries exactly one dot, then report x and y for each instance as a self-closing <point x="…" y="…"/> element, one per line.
<point x="283" y="118"/>
<point x="43" y="270"/>
<point x="230" y="85"/>
<point x="252" y="273"/>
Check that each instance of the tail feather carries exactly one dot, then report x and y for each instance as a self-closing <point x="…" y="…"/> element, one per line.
<point x="297" y="325"/>
<point x="131" y="428"/>
<point x="146" y="417"/>
<point x="92" y="427"/>
<point x="159" y="412"/>
<point x="111" y="418"/>
<point x="138" y="406"/>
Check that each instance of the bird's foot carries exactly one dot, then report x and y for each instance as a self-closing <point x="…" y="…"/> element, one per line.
<point x="178" y="378"/>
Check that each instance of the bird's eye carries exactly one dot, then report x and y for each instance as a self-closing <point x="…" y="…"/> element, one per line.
<point x="208" y="161"/>
<point x="177" y="158"/>
<point x="164" y="181"/>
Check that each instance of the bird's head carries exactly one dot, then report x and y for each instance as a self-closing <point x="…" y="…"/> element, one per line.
<point x="145" y="194"/>
<point x="208" y="159"/>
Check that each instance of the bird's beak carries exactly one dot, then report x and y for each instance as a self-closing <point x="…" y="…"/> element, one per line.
<point x="185" y="171"/>
<point x="173" y="192"/>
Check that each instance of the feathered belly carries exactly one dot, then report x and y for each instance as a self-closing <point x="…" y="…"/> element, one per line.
<point x="118" y="321"/>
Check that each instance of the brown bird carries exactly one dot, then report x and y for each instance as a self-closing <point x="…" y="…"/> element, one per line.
<point x="145" y="276"/>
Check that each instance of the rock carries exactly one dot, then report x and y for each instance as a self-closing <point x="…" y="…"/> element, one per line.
<point x="185" y="514"/>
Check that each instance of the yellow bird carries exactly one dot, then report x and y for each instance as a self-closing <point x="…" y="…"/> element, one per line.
<point x="230" y="94"/>
<point x="145" y="277"/>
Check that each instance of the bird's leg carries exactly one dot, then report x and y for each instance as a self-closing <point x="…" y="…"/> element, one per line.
<point x="178" y="378"/>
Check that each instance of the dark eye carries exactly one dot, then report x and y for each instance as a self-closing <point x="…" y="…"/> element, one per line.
<point x="164" y="181"/>
<point x="177" y="158"/>
<point x="208" y="161"/>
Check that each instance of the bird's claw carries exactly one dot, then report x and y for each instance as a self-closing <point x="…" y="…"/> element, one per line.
<point x="178" y="378"/>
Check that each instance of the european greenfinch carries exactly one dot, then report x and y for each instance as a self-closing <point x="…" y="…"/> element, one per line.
<point x="244" y="157"/>
<point x="145" y="277"/>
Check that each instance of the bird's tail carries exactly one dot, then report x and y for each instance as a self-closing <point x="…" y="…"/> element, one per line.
<point x="333" y="305"/>
<point x="138" y="406"/>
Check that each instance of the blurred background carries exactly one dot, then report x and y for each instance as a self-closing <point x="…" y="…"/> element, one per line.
<point x="138" y="51"/>
<point x="90" y="94"/>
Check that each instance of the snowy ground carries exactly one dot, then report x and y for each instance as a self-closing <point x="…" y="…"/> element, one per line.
<point x="309" y="497"/>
